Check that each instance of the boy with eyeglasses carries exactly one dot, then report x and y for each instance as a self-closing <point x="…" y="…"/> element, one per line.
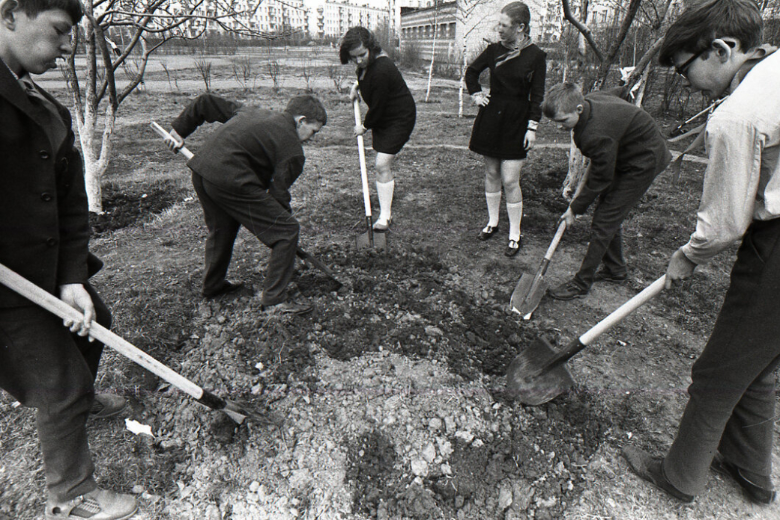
<point x="728" y="424"/>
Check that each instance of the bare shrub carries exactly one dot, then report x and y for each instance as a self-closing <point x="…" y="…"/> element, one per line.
<point x="338" y="75"/>
<point x="168" y="75"/>
<point x="204" y="69"/>
<point x="307" y="71"/>
<point x="411" y="57"/>
<point x="275" y="71"/>
<point x="242" y="71"/>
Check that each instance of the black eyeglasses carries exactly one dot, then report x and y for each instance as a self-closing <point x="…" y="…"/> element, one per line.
<point x="682" y="70"/>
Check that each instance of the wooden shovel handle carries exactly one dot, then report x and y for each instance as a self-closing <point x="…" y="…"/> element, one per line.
<point x="556" y="239"/>
<point x="61" y="309"/>
<point x="545" y="262"/>
<point x="624" y="310"/>
<point x="166" y="135"/>
<point x="548" y="255"/>
<point x="607" y="323"/>
<point x="362" y="155"/>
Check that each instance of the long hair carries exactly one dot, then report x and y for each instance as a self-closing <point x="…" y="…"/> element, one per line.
<point x="519" y="13"/>
<point x="353" y="38"/>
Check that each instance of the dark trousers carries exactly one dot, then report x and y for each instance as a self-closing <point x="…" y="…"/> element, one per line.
<point x="606" y="236"/>
<point x="225" y="212"/>
<point x="732" y="393"/>
<point x="44" y="366"/>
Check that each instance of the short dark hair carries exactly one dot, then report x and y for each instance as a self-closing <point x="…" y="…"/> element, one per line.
<point x="308" y="106"/>
<point x="696" y="28"/>
<point x="353" y="38"/>
<point x="519" y="13"/>
<point x="562" y="98"/>
<point x="32" y="8"/>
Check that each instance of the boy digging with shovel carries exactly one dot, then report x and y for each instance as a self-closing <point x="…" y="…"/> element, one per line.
<point x="242" y="176"/>
<point x="627" y="152"/>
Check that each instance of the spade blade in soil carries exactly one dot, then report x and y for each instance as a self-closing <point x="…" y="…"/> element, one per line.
<point x="526" y="296"/>
<point x="530" y="379"/>
<point x="371" y="239"/>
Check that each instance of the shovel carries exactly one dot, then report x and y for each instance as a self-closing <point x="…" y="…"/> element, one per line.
<point x="61" y="309"/>
<point x="369" y="239"/>
<point x="303" y="255"/>
<point x="530" y="289"/>
<point x="538" y="374"/>
<point x="309" y="259"/>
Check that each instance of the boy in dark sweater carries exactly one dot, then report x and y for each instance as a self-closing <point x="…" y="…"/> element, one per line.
<point x="626" y="152"/>
<point x="242" y="176"/>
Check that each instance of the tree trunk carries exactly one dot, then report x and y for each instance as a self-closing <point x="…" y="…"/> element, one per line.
<point x="578" y="165"/>
<point x="95" y="163"/>
<point x="433" y="55"/>
<point x="462" y="80"/>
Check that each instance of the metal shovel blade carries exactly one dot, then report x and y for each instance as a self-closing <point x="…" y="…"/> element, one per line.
<point x="531" y="381"/>
<point x="364" y="241"/>
<point x="526" y="296"/>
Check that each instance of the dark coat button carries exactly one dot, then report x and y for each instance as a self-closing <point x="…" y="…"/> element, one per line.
<point x="63" y="164"/>
<point x="44" y="154"/>
<point x="46" y="197"/>
<point x="51" y="242"/>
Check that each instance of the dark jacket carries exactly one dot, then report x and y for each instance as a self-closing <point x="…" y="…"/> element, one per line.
<point x="254" y="148"/>
<point x="520" y="79"/>
<point x="621" y="140"/>
<point x="385" y="92"/>
<point x="44" y="217"/>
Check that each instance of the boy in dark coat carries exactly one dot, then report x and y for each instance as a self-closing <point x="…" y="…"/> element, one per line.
<point x="626" y="152"/>
<point x="44" y="234"/>
<point x="242" y="176"/>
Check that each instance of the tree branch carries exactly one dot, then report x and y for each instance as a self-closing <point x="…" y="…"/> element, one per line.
<point x="582" y="28"/>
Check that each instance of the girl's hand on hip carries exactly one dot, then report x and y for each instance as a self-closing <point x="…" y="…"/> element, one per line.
<point x="480" y="99"/>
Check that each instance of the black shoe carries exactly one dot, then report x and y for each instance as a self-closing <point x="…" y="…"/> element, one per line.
<point x="488" y="232"/>
<point x="649" y="468"/>
<point x="568" y="291"/>
<point x="602" y="275"/>
<point x="759" y="493"/>
<point x="226" y="288"/>
<point x="514" y="247"/>
<point x="107" y="405"/>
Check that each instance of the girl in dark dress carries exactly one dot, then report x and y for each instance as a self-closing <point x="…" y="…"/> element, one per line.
<point x="391" y="110"/>
<point x="505" y="127"/>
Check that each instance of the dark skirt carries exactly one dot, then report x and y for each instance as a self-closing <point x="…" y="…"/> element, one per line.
<point x="391" y="138"/>
<point x="499" y="129"/>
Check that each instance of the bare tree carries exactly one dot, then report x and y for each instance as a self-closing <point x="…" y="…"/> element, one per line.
<point x="435" y="23"/>
<point x="467" y="12"/>
<point x="142" y="26"/>
<point x="656" y="15"/>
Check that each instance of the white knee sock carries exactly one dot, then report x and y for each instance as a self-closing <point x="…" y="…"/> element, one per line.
<point x="493" y="204"/>
<point x="385" y="192"/>
<point x="515" y="212"/>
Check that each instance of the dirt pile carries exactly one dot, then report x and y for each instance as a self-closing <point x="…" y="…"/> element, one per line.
<point x="388" y="412"/>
